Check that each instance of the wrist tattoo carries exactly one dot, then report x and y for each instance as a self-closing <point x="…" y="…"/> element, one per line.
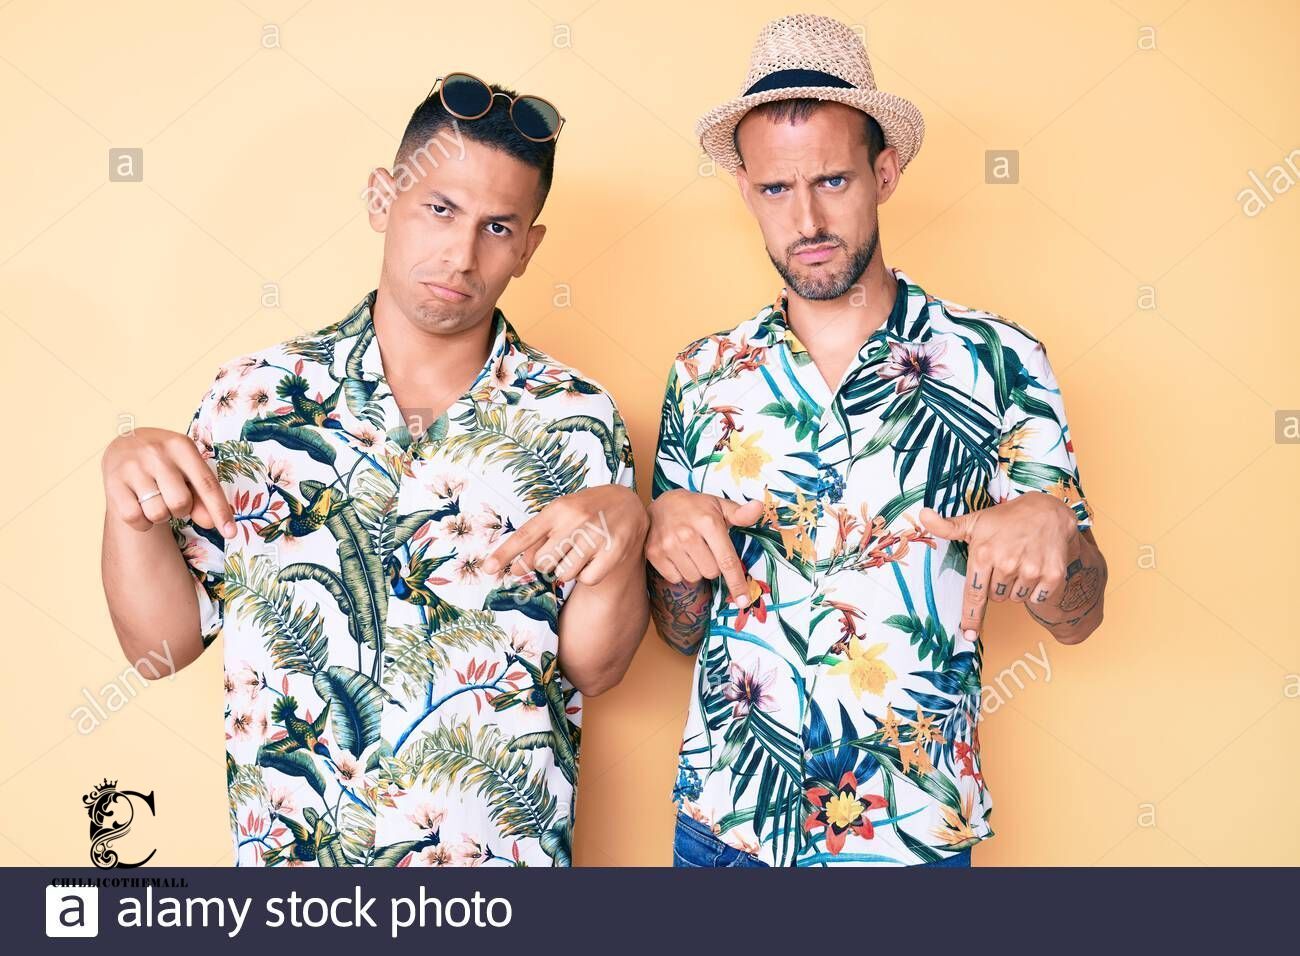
<point x="681" y="611"/>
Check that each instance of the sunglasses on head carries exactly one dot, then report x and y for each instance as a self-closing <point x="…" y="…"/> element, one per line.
<point x="467" y="97"/>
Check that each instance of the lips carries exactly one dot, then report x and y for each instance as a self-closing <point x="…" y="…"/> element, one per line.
<point x="446" y="293"/>
<point x="816" y="254"/>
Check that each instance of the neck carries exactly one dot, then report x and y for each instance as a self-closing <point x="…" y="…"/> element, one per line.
<point x="424" y="368"/>
<point x="849" y="319"/>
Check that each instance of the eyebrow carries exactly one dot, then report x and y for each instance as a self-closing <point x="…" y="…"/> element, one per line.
<point x="442" y="199"/>
<point x="833" y="174"/>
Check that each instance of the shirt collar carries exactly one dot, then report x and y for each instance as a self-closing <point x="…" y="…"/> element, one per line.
<point x="357" y="356"/>
<point x="907" y="321"/>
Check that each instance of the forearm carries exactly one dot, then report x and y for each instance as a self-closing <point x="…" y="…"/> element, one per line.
<point x="1078" y="610"/>
<point x="601" y="626"/>
<point x="151" y="598"/>
<point x="681" y="612"/>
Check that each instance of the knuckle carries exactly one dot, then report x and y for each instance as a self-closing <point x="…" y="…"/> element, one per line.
<point x="668" y="572"/>
<point x="177" y="442"/>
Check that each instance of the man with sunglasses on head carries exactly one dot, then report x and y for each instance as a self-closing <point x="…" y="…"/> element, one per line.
<point x="842" y="483"/>
<point x="418" y="535"/>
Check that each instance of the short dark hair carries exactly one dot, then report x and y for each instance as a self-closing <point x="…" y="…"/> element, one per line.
<point x="797" y="110"/>
<point x="495" y="129"/>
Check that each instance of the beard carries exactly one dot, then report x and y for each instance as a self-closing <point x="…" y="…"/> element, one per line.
<point x="833" y="285"/>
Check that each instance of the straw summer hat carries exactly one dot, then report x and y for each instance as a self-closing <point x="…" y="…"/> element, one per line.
<point x="819" y="58"/>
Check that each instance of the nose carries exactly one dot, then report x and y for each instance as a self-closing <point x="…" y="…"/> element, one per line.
<point x="808" y="219"/>
<point x="460" y="251"/>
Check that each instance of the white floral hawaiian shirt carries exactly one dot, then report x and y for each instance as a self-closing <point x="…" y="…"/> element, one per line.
<point x="387" y="702"/>
<point x="835" y="719"/>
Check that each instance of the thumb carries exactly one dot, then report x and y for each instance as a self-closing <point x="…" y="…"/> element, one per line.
<point x="950" y="529"/>
<point x="737" y="514"/>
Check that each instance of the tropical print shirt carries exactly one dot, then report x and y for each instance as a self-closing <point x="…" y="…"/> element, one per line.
<point x="835" y="719"/>
<point x="388" y="703"/>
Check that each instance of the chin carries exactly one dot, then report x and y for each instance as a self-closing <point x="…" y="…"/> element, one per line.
<point x="820" y="287"/>
<point x="439" y="318"/>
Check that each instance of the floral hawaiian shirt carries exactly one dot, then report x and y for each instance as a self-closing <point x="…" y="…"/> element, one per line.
<point x="388" y="703"/>
<point x="835" y="719"/>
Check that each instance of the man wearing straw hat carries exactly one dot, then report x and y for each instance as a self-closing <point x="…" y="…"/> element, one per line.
<point x="842" y="483"/>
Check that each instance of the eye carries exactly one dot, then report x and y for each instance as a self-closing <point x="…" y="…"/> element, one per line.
<point x="835" y="182"/>
<point x="493" y="226"/>
<point x="440" y="211"/>
<point x="771" y="190"/>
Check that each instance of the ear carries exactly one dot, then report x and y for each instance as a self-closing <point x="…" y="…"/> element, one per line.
<point x="381" y="193"/>
<point x="887" y="174"/>
<point x="536" y="233"/>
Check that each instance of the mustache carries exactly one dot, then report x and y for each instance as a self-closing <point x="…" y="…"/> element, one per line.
<point x="820" y="239"/>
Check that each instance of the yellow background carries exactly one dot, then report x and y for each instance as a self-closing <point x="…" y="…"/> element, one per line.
<point x="1168" y="738"/>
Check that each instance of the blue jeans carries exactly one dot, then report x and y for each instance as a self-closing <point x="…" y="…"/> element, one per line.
<point x="694" y="844"/>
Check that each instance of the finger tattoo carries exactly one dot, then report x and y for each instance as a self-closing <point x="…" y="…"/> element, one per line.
<point x="1068" y="622"/>
<point x="1082" y="586"/>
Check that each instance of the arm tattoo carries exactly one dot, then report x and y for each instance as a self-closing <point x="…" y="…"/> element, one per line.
<point x="681" y="612"/>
